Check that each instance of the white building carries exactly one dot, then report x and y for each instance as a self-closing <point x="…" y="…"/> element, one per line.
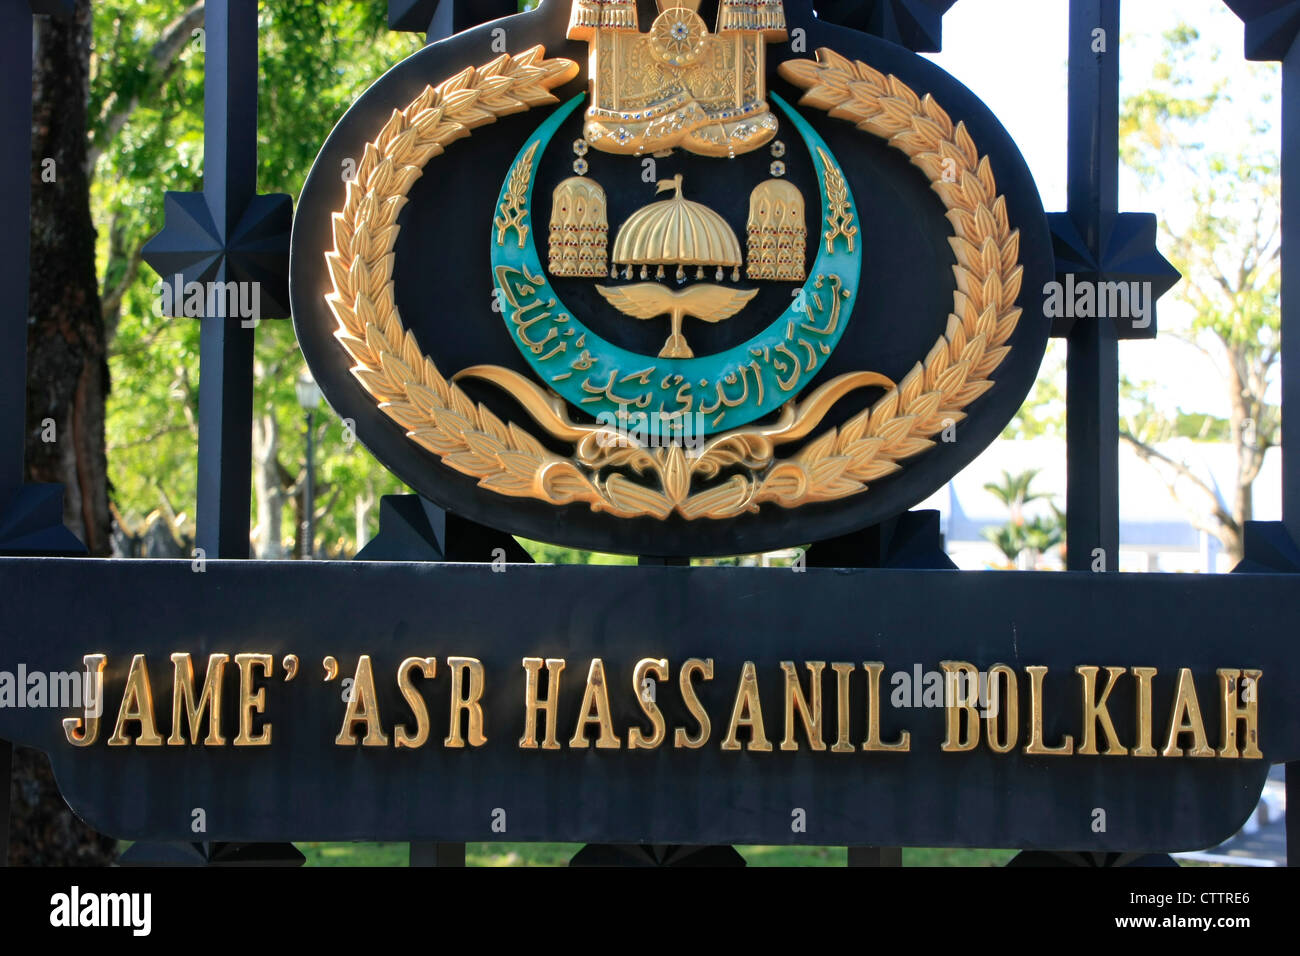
<point x="1155" y="533"/>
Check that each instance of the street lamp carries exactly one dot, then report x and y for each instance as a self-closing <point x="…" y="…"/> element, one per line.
<point x="309" y="397"/>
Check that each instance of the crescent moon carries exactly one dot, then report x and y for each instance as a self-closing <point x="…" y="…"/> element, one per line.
<point x="600" y="378"/>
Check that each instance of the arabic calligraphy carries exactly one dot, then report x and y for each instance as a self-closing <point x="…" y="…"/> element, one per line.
<point x="784" y="363"/>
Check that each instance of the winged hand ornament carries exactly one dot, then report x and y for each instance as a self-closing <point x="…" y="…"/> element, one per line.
<point x="647" y="300"/>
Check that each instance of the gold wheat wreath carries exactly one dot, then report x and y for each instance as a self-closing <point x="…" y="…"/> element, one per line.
<point x="467" y="436"/>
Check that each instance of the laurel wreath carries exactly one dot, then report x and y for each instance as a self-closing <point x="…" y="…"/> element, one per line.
<point x="467" y="436"/>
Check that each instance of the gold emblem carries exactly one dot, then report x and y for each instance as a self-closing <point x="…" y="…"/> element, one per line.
<point x="678" y="85"/>
<point x="648" y="300"/>
<point x="839" y="221"/>
<point x="514" y="210"/>
<point x="677" y="232"/>
<point x="734" y="471"/>
<point x="579" y="231"/>
<point x="777" y="233"/>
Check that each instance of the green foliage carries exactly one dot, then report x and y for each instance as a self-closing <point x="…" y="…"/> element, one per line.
<point x="1041" y="533"/>
<point x="1014" y="491"/>
<point x="147" y="124"/>
<point x="559" y="854"/>
<point x="1143" y="416"/>
<point x="1043" y="413"/>
<point x="1007" y="540"/>
<point x="1224" y="237"/>
<point x="1020" y="534"/>
<point x="554" y="554"/>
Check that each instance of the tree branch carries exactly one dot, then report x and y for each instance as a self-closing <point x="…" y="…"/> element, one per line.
<point x="111" y="298"/>
<point x="163" y="60"/>
<point x="1149" y="454"/>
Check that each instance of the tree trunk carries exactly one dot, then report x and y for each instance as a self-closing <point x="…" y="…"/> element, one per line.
<point x="42" y="830"/>
<point x="67" y="381"/>
<point x="67" y="368"/>
<point x="266" y="487"/>
<point x="364" y="505"/>
<point x="1242" y="428"/>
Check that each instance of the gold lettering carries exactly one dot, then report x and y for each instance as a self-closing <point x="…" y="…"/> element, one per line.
<point x="595" y="696"/>
<point x="873" y="742"/>
<point x="957" y="702"/>
<point x="1095" y="712"/>
<point x="250" y="703"/>
<point x="795" y="701"/>
<point x="1186" y="719"/>
<point x="843" y="741"/>
<point x="705" y="669"/>
<point x="1007" y="702"/>
<point x="532" y="704"/>
<point x="363" y="707"/>
<point x="1145" y="730"/>
<point x="137" y="705"/>
<point x="747" y="712"/>
<point x="84" y="731"/>
<point x="1231" y="711"/>
<point x="466" y="696"/>
<point x="1036" y="745"/>
<point x="428" y="666"/>
<point x="183" y="700"/>
<point x="642" y="686"/>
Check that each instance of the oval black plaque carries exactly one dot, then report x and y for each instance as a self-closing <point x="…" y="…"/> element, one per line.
<point x="443" y="284"/>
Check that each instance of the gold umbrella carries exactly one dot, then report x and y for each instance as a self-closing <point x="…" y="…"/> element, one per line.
<point x="676" y="232"/>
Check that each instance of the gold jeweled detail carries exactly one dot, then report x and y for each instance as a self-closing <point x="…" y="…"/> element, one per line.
<point x="676" y="232"/>
<point x="678" y="85"/>
<point x="579" y="230"/>
<point x="778" y="235"/>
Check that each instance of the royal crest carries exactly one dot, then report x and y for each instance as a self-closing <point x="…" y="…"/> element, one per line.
<point x="676" y="258"/>
<point x="694" y="321"/>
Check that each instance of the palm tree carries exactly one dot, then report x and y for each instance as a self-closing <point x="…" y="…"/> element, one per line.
<point x="1006" y="539"/>
<point x="1014" y="492"/>
<point x="1018" y="536"/>
<point x="1038" y="535"/>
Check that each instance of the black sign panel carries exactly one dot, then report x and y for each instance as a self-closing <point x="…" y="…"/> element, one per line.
<point x="302" y="784"/>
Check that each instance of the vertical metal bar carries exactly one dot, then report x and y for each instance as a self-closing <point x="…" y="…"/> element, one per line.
<point x="225" y="437"/>
<point x="1290" y="331"/>
<point x="226" y="345"/>
<point x="875" y="856"/>
<point x="1291" y="291"/>
<point x="6" y="775"/>
<point x="15" y="169"/>
<point x="1092" y="365"/>
<point x="309" y="496"/>
<point x="230" y="109"/>
<point x="437" y="854"/>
